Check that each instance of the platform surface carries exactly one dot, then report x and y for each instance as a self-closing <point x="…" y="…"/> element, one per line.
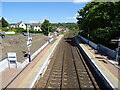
<point x="109" y="68"/>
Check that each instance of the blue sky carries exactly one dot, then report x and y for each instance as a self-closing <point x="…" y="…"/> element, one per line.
<point x="31" y="12"/>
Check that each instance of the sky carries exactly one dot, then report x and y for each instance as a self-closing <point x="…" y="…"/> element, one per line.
<point x="33" y="12"/>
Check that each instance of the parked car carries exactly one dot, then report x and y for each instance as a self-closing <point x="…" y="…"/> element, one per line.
<point x="25" y="33"/>
<point x="2" y="35"/>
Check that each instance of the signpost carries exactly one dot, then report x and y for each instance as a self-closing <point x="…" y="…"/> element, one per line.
<point x="118" y="50"/>
<point x="12" y="58"/>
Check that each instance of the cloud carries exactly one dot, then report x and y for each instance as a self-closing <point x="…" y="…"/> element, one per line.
<point x="10" y="20"/>
<point x="32" y="21"/>
<point x="70" y="17"/>
<point x="74" y="17"/>
<point x="44" y="17"/>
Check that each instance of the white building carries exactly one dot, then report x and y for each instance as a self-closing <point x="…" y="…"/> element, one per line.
<point x="12" y="26"/>
<point x="20" y="25"/>
<point x="36" y="26"/>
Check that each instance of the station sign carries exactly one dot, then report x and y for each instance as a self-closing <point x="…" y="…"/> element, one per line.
<point x="115" y="40"/>
<point x="12" y="57"/>
<point x="29" y="42"/>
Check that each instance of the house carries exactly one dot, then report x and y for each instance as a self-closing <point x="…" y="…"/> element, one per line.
<point x="20" y="25"/>
<point x="36" y="26"/>
<point x="12" y="25"/>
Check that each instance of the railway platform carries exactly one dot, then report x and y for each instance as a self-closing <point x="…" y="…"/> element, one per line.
<point x="108" y="68"/>
<point x="67" y="68"/>
<point x="26" y="77"/>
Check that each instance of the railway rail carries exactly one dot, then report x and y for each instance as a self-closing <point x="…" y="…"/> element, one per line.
<point x="67" y="68"/>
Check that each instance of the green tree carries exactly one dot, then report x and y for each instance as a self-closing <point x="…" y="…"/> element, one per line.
<point x="4" y="23"/>
<point x="101" y="20"/>
<point x="46" y="27"/>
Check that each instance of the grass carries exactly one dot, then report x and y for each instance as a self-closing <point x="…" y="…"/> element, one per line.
<point x="11" y="30"/>
<point x="63" y="32"/>
<point x="76" y="32"/>
<point x="12" y="34"/>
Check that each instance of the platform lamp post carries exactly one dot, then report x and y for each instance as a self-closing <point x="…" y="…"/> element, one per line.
<point x="118" y="49"/>
<point x="48" y="30"/>
<point x="29" y="44"/>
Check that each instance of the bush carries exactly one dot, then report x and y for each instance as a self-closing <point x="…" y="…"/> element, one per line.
<point x="19" y="30"/>
<point x="4" y="29"/>
<point x="38" y="31"/>
<point x="32" y="31"/>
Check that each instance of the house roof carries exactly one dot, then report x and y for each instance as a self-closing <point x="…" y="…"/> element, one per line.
<point x="36" y="24"/>
<point x="18" y="23"/>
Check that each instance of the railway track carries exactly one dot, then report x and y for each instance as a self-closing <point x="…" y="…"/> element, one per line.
<point x="67" y="68"/>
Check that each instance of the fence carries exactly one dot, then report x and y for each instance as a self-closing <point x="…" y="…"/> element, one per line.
<point x="106" y="51"/>
<point x="93" y="45"/>
<point x="100" y="48"/>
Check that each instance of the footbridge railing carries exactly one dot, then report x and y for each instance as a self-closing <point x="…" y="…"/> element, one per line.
<point x="100" y="48"/>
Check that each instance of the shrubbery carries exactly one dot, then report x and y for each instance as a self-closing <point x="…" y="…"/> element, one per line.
<point x="32" y="31"/>
<point x="19" y="30"/>
<point x="4" y="29"/>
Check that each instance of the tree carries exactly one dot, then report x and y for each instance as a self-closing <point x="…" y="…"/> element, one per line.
<point x="101" y="20"/>
<point x="46" y="27"/>
<point x="4" y="23"/>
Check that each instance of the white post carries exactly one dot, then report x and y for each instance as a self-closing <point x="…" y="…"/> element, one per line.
<point x="29" y="57"/>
